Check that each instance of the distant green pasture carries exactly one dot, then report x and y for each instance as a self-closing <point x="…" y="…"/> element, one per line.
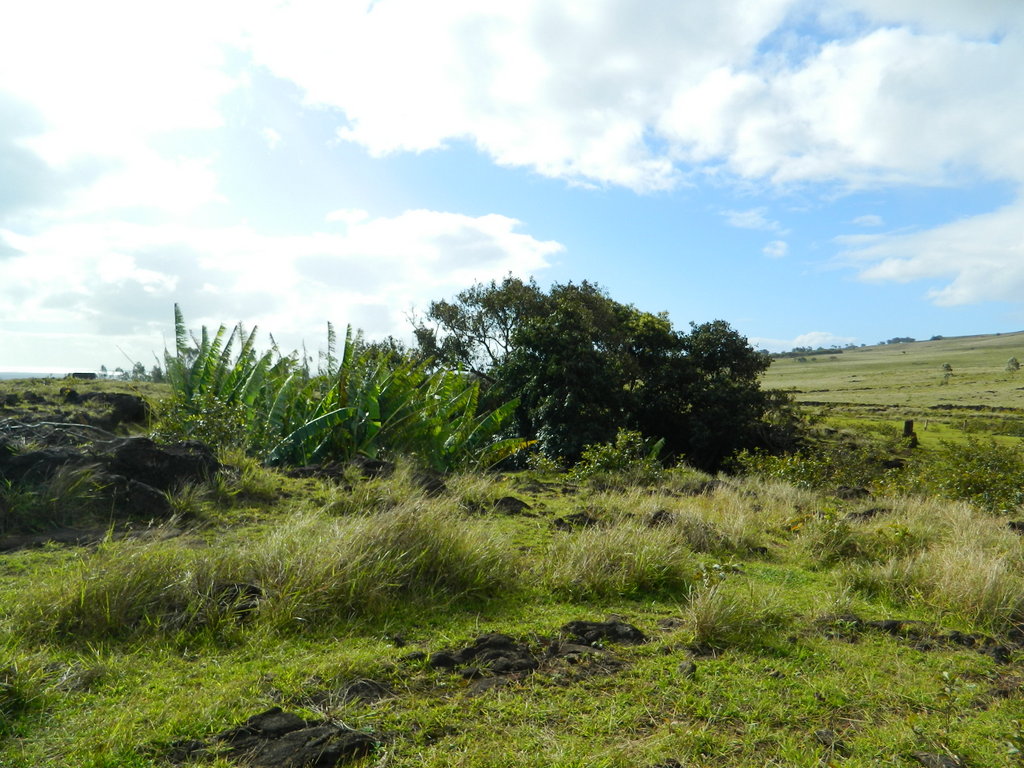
<point x="893" y="382"/>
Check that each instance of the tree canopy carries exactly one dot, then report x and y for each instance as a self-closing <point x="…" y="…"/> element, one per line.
<point x="583" y="365"/>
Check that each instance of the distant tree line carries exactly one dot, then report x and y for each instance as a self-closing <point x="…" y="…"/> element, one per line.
<point x="137" y="372"/>
<point x="809" y="351"/>
<point x="899" y="340"/>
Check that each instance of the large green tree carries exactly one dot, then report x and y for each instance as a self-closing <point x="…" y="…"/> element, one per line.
<point x="583" y="365"/>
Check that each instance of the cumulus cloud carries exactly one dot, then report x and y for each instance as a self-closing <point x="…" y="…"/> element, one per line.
<point x="573" y="90"/>
<point x="596" y="91"/>
<point x="980" y="258"/>
<point x="881" y="93"/>
<point x="585" y="91"/>
<point x="109" y="89"/>
<point x="121" y="280"/>
<point x="776" y="249"/>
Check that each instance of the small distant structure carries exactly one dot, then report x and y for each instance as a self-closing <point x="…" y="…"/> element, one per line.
<point x="87" y="375"/>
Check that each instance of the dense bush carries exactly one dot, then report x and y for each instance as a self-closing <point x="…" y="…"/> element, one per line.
<point x="983" y="472"/>
<point x="827" y="465"/>
<point x="630" y="458"/>
<point x="583" y="366"/>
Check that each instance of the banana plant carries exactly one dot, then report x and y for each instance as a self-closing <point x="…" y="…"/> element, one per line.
<point x="357" y="403"/>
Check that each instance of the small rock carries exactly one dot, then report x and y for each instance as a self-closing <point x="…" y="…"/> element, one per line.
<point x="591" y="632"/>
<point x="278" y="739"/>
<point x="687" y="669"/>
<point x="441" y="660"/>
<point x="510" y="505"/>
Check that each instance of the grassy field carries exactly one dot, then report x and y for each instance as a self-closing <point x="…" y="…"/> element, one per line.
<point x="893" y="382"/>
<point x="781" y="626"/>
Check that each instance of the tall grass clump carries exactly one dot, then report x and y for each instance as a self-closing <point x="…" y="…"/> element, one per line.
<point x="21" y="690"/>
<point x="625" y="560"/>
<point x="738" y="516"/>
<point x="829" y="540"/>
<point x="357" y="494"/>
<point x="126" y="589"/>
<point x="308" y="571"/>
<point x="68" y="495"/>
<point x="965" y="563"/>
<point x="982" y="586"/>
<point x="723" y="615"/>
<point x="322" y="570"/>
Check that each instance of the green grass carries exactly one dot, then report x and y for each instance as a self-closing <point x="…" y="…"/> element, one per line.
<point x="893" y="382"/>
<point x="275" y="591"/>
<point x="116" y="653"/>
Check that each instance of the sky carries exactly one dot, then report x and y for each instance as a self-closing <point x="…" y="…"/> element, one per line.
<point x="814" y="173"/>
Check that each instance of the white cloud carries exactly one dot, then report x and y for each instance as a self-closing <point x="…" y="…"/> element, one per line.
<point x="571" y="89"/>
<point x="587" y="91"/>
<point x="869" y="220"/>
<point x="751" y="219"/>
<point x="112" y="89"/>
<point x="121" y="280"/>
<point x="597" y="92"/>
<point x="981" y="257"/>
<point x="271" y="137"/>
<point x="776" y="249"/>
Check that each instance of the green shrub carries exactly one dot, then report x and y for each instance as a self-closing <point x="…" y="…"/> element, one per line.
<point x="629" y="460"/>
<point x="984" y="473"/>
<point x="206" y="417"/>
<point x="825" y="466"/>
